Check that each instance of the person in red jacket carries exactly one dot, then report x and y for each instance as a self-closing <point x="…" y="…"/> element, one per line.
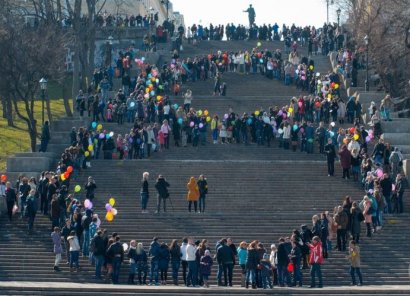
<point x="315" y="261"/>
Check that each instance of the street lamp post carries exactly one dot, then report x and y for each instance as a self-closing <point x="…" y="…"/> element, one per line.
<point x="328" y="2"/>
<point x="338" y="11"/>
<point x="366" y="83"/>
<point x="43" y="87"/>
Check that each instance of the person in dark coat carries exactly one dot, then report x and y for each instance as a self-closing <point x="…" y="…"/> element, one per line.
<point x="203" y="191"/>
<point x="45" y="137"/>
<point x="296" y="257"/>
<point x="31" y="210"/>
<point x="11" y="200"/>
<point x="205" y="266"/>
<point x="24" y="190"/>
<point x="252" y="262"/>
<point x="98" y="248"/>
<point x="154" y="252"/>
<point x="175" y="251"/>
<point x="162" y="187"/>
<point x="116" y="253"/>
<point x="283" y="261"/>
<point x="226" y="258"/>
<point x="306" y="235"/>
<point x="357" y="219"/>
<point x="330" y="157"/>
<point x="345" y="161"/>
<point x="90" y="188"/>
<point x="163" y="263"/>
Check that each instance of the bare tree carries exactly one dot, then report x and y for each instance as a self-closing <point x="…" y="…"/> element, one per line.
<point x="27" y="55"/>
<point x="84" y="32"/>
<point x="387" y="25"/>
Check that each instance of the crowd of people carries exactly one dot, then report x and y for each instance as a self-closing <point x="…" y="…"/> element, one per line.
<point x="305" y="123"/>
<point x="327" y="38"/>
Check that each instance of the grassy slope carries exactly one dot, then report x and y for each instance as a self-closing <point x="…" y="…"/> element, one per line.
<point x="16" y="139"/>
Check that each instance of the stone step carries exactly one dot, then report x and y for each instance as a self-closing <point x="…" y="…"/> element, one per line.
<point x="396" y="126"/>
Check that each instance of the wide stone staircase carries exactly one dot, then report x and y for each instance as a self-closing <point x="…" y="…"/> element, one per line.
<point x="255" y="193"/>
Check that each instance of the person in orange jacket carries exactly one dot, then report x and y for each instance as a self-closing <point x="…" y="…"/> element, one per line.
<point x="193" y="194"/>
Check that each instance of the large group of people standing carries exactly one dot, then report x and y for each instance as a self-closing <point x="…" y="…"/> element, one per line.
<point x="307" y="122"/>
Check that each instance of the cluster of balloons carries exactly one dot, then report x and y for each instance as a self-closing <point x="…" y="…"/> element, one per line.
<point x="111" y="211"/>
<point x="334" y="85"/>
<point x="140" y="61"/>
<point x="64" y="176"/>
<point x="204" y="114"/>
<point x="3" y="178"/>
<point x="355" y="135"/>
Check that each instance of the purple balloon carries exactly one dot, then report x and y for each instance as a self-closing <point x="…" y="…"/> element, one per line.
<point x="191" y="124"/>
<point x="101" y="136"/>
<point x="280" y="112"/>
<point x="88" y="204"/>
<point x="368" y="139"/>
<point x="226" y="116"/>
<point x="108" y="207"/>
<point x="201" y="125"/>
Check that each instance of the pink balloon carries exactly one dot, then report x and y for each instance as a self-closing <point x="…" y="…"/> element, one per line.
<point x="191" y="124"/>
<point x="379" y="173"/>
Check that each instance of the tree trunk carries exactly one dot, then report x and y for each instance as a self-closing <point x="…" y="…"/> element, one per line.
<point x="66" y="100"/>
<point x="7" y="110"/>
<point x="9" y="113"/>
<point x="33" y="137"/>
<point x="76" y="73"/>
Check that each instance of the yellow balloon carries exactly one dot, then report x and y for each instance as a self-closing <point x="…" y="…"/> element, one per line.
<point x="329" y="96"/>
<point x="199" y="112"/>
<point x="112" y="201"/>
<point x="86" y="153"/>
<point x="62" y="177"/>
<point x="257" y="113"/>
<point x="336" y="85"/>
<point x="356" y="137"/>
<point x="90" y="147"/>
<point x="109" y="216"/>
<point x="311" y="67"/>
<point x="208" y="119"/>
<point x="290" y="110"/>
<point x="147" y="90"/>
<point x="99" y="127"/>
<point x="206" y="112"/>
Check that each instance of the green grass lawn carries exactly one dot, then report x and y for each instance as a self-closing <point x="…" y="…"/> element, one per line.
<point x="16" y="139"/>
